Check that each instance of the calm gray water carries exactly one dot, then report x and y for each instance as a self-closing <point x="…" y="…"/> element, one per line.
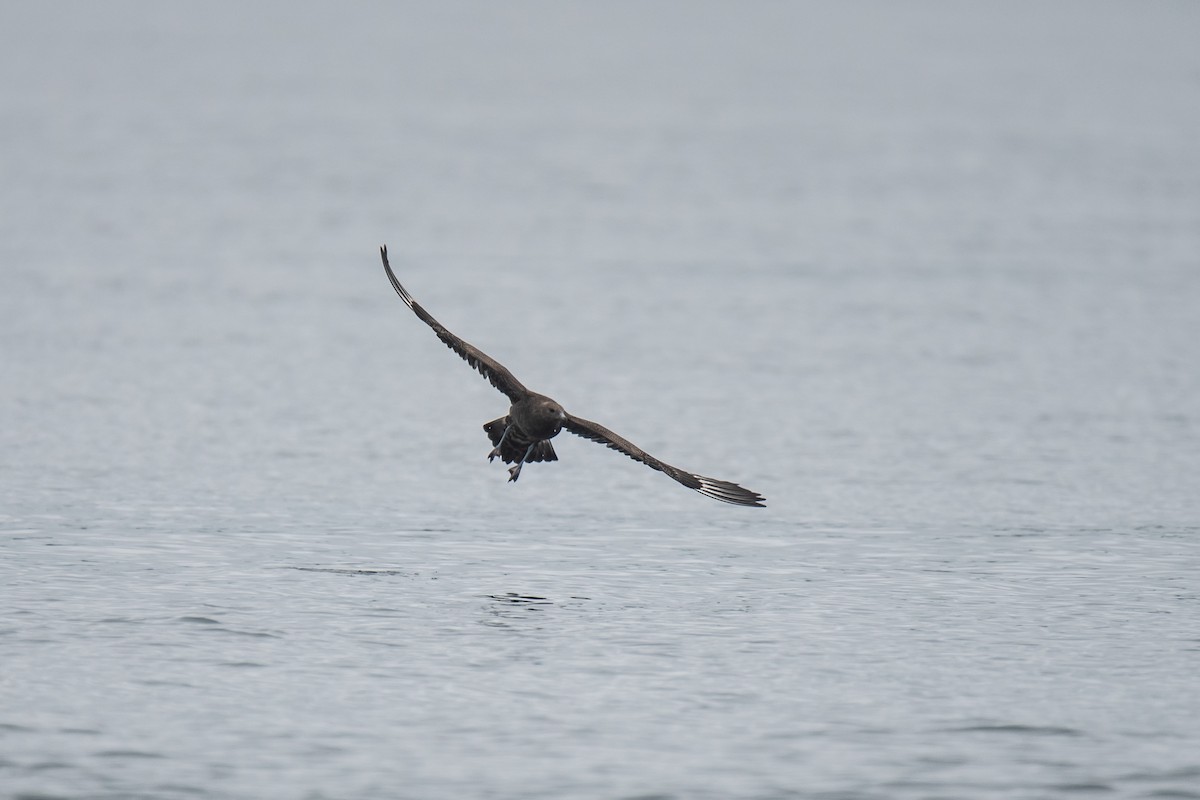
<point x="925" y="275"/>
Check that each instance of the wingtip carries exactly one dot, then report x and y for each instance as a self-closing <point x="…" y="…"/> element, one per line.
<point x="400" y="290"/>
<point x="755" y="500"/>
<point x="728" y="492"/>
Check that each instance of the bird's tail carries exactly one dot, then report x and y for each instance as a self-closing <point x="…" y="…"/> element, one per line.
<point x="516" y="444"/>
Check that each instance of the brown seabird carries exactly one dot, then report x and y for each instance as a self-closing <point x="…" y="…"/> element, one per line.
<point x="533" y="419"/>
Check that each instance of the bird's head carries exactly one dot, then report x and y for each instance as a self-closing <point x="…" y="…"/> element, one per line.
<point x="551" y="414"/>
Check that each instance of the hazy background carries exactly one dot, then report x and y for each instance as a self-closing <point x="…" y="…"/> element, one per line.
<point x="926" y="275"/>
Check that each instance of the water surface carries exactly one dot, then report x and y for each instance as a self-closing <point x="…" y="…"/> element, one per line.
<point x="926" y="277"/>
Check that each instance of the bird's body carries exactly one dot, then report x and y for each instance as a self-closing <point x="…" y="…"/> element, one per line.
<point x="524" y="434"/>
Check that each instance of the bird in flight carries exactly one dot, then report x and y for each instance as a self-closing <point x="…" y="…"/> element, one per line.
<point x="533" y="419"/>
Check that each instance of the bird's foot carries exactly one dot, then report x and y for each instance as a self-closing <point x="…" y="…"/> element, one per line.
<point x="514" y="471"/>
<point x="496" y="450"/>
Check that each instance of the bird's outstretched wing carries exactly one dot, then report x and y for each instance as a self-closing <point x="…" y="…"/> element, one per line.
<point x="496" y="373"/>
<point x="711" y="487"/>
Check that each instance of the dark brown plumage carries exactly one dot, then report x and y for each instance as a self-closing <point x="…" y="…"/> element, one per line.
<point x="524" y="434"/>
